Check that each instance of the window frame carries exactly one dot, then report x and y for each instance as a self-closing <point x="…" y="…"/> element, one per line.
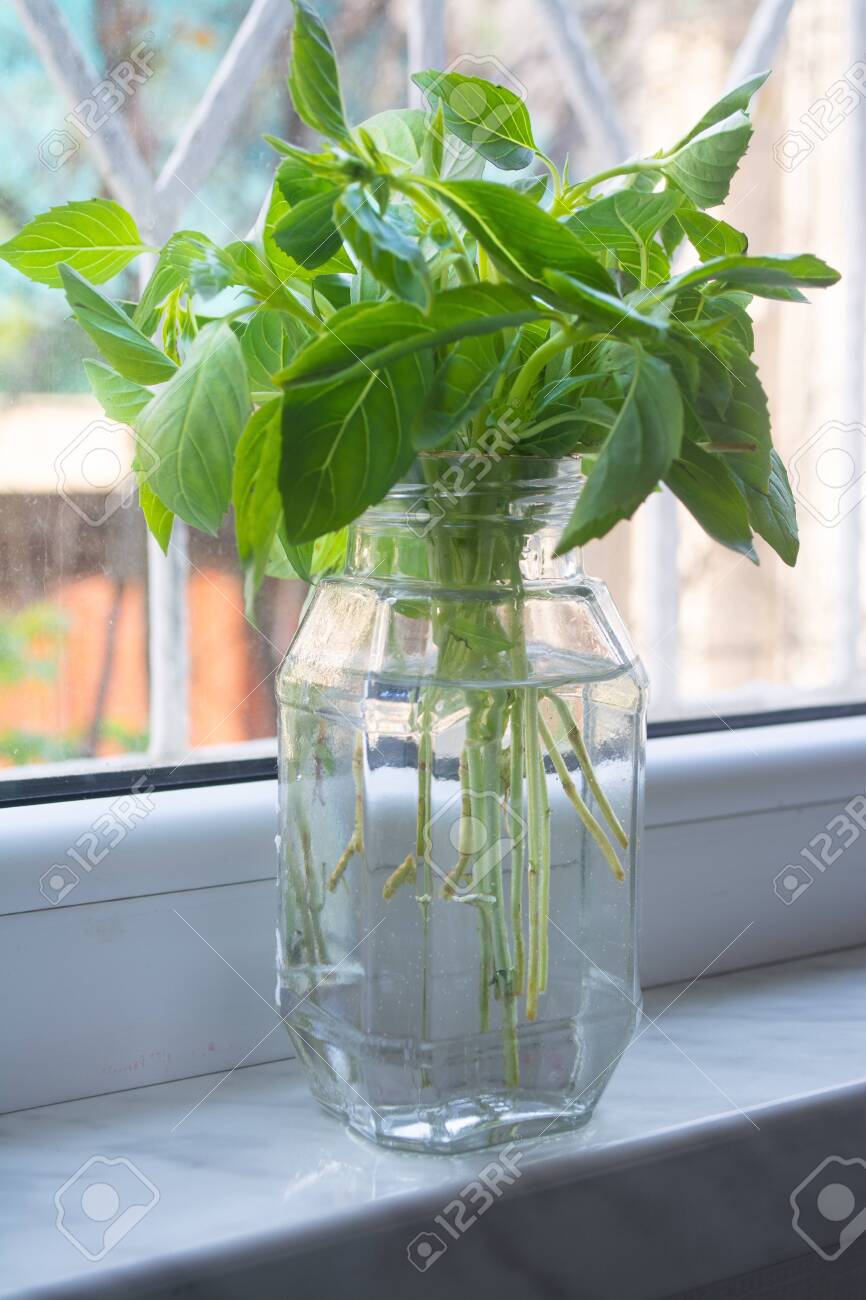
<point x="159" y="941"/>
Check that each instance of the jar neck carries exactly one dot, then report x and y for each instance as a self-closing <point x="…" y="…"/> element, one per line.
<point x="465" y="521"/>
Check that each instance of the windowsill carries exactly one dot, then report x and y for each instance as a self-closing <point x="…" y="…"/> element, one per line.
<point x="711" y="1121"/>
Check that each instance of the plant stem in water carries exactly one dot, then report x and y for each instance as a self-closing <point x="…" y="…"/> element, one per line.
<point x="594" y="828"/>
<point x="577" y="743"/>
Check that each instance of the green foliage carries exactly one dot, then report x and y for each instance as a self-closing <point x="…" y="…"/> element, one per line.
<point x="191" y="427"/>
<point x="314" y="83"/>
<point x="489" y="118"/>
<point x="399" y="299"/>
<point x="97" y="238"/>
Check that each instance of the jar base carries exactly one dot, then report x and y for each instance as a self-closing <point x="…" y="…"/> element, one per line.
<point x="479" y="1122"/>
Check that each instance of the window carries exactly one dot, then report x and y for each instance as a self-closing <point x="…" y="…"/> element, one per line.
<point x="109" y="650"/>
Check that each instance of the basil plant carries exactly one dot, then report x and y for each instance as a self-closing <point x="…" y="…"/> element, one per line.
<point x="393" y="303"/>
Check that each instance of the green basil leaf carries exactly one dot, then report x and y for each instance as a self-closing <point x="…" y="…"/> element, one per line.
<point x="747" y="418"/>
<point x="192" y="427"/>
<point x="119" y="340"/>
<point x="534" y="187"/>
<point x="756" y="274"/>
<point x="397" y="262"/>
<point x="256" y="494"/>
<point x="300" y="559"/>
<point x="644" y="440"/>
<point x="314" y="82"/>
<point x="603" y="309"/>
<point x="491" y="119"/>
<point x="704" y="166"/>
<point x="709" y="491"/>
<point x="346" y="442"/>
<point x="157" y="516"/>
<point x="368" y="335"/>
<point x="518" y="234"/>
<point x="268" y="341"/>
<point x="773" y="514"/>
<point x="736" y="100"/>
<point x="622" y="226"/>
<point x="308" y="233"/>
<point x="561" y="428"/>
<point x="120" y="398"/>
<point x="462" y="384"/>
<point x="97" y="238"/>
<point x="707" y="317"/>
<point x="708" y="236"/>
<point x="297" y="181"/>
<point x="398" y="133"/>
<point x="170" y="274"/>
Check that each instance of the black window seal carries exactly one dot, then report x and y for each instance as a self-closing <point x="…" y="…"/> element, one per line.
<point x="189" y="776"/>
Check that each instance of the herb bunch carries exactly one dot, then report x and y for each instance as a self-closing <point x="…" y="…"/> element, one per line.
<point x="395" y="301"/>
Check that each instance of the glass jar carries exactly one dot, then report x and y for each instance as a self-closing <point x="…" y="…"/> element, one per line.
<point x="462" y="724"/>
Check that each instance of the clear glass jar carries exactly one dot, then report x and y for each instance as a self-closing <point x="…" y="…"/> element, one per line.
<point x="462" y="723"/>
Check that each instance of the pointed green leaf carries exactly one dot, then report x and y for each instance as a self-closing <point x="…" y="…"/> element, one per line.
<point x="397" y="262"/>
<point x="285" y="267"/>
<point x="269" y="341"/>
<point x="709" y="491"/>
<point x="604" y="309"/>
<point x="708" y="236"/>
<point x="170" y="273"/>
<point x="192" y="427"/>
<point x="314" y="82"/>
<point x="308" y="233"/>
<point x="157" y="516"/>
<point x="118" y="339"/>
<point x="97" y="238"/>
<point x="120" y="398"/>
<point x="374" y="334"/>
<point x="462" y="384"/>
<point x="489" y="118"/>
<point x="346" y="442"/>
<point x="638" y="451"/>
<point x="565" y="422"/>
<point x="256" y="493"/>
<point x="704" y="167"/>
<point x="622" y="227"/>
<point x="773" y="514"/>
<point x="736" y="100"/>
<point x="747" y="418"/>
<point x="756" y="274"/>
<point x="398" y="133"/>
<point x="518" y="234"/>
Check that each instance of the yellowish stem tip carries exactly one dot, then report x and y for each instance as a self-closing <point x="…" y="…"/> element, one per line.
<point x="348" y="853"/>
<point x="401" y="876"/>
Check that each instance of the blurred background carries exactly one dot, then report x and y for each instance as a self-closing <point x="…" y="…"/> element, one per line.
<point x="105" y="652"/>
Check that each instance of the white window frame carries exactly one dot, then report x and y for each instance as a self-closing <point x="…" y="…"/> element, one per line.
<point x="158" y="964"/>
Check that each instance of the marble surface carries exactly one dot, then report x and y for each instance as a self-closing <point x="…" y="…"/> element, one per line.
<point x="727" y="1078"/>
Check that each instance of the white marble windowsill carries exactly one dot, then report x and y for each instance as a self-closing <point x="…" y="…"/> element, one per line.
<point x="715" y="1115"/>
